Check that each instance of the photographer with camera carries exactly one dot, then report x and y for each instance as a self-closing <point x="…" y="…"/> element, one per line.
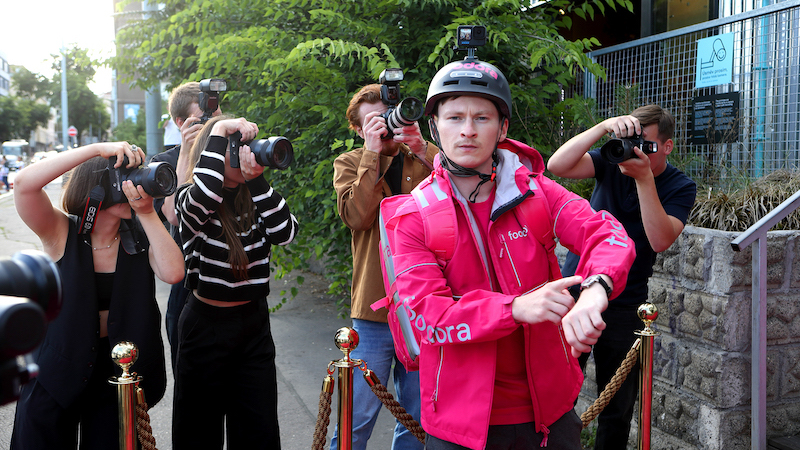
<point x="229" y="216"/>
<point x="190" y="115"/>
<point x="383" y="167"/>
<point x="109" y="244"/>
<point x="652" y="199"/>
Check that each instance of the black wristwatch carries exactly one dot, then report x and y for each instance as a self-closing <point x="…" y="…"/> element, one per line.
<point x="596" y="279"/>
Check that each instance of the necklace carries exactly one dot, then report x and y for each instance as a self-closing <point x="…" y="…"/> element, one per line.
<point x="109" y="245"/>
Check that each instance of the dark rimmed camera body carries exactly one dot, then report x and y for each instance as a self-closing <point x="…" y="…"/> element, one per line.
<point x="470" y="36"/>
<point x="30" y="298"/>
<point x="274" y="152"/>
<point x="618" y="150"/>
<point x="158" y="180"/>
<point x="209" y="96"/>
<point x="400" y="113"/>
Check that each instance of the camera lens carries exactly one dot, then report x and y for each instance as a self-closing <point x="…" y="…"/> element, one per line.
<point x="32" y="274"/>
<point x="22" y="326"/>
<point x="407" y="112"/>
<point x="616" y="151"/>
<point x="158" y="179"/>
<point x="275" y="152"/>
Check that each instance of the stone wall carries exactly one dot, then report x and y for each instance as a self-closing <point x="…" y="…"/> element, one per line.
<point x="701" y="391"/>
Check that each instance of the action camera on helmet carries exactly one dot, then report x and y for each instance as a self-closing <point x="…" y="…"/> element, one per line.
<point x="470" y="36"/>
<point x="275" y="152"/>
<point x="157" y="179"/>
<point x="401" y="113"/>
<point x="470" y="76"/>
<point x="616" y="151"/>
<point x="209" y="96"/>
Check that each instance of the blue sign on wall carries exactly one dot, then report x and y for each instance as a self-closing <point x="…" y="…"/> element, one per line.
<point x="131" y="110"/>
<point x="714" y="61"/>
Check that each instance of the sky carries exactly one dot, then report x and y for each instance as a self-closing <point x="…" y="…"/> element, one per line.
<point x="35" y="29"/>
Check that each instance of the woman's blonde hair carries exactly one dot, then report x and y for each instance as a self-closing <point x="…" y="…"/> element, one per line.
<point x="242" y="206"/>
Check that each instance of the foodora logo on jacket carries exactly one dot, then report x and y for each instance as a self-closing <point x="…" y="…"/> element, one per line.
<point x="461" y="332"/>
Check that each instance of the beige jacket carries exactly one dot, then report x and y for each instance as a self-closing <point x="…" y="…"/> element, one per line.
<point x="359" y="191"/>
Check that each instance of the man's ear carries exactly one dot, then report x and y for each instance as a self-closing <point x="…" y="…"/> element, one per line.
<point x="179" y="121"/>
<point x="668" y="146"/>
<point x="360" y="133"/>
<point x="504" y="129"/>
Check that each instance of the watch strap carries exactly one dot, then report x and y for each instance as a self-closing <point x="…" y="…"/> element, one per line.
<point x="597" y="279"/>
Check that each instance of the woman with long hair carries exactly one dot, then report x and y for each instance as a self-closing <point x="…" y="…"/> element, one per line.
<point x="108" y="253"/>
<point x="225" y="370"/>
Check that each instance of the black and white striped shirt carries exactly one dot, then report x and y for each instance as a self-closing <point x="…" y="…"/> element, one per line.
<point x="204" y="247"/>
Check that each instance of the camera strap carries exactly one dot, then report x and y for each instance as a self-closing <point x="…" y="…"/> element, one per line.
<point x="132" y="236"/>
<point x="93" y="204"/>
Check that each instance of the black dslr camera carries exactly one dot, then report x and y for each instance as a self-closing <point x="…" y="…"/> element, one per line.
<point x="401" y="113"/>
<point x="209" y="96"/>
<point x="30" y="297"/>
<point x="616" y="151"/>
<point x="158" y="180"/>
<point x="275" y="152"/>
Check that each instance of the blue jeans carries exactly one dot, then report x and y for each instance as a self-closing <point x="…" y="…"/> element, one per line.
<point x="377" y="349"/>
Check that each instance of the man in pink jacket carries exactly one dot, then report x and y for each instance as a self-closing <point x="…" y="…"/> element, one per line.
<point x="499" y="331"/>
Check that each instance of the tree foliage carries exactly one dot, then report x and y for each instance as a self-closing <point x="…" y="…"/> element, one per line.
<point x="293" y="65"/>
<point x="86" y="110"/>
<point x="131" y="131"/>
<point x="22" y="112"/>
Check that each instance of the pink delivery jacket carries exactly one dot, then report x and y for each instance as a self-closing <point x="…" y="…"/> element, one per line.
<point x="461" y="313"/>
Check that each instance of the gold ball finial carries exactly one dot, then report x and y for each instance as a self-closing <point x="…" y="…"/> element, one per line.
<point x="124" y="354"/>
<point x="648" y="312"/>
<point x="346" y="339"/>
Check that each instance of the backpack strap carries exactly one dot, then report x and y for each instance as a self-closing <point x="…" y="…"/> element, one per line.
<point x="438" y="217"/>
<point x="539" y="220"/>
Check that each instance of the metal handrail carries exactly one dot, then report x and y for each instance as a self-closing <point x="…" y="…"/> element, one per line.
<point x="757" y="235"/>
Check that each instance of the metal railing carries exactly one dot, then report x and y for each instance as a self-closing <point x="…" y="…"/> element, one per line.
<point x="766" y="74"/>
<point x="757" y="235"/>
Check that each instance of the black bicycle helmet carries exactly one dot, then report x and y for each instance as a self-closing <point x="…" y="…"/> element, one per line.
<point x="470" y="77"/>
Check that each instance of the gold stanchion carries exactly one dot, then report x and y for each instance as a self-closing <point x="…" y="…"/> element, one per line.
<point x="648" y="313"/>
<point x="346" y="339"/>
<point x="124" y="355"/>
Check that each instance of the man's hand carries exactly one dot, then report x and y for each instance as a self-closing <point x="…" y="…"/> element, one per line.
<point x="190" y="128"/>
<point x="584" y="323"/>
<point x="373" y="129"/>
<point x="623" y="126"/>
<point x="549" y="303"/>
<point x="637" y="168"/>
<point x="412" y="137"/>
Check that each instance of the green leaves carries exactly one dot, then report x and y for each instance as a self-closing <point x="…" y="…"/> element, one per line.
<point x="293" y="65"/>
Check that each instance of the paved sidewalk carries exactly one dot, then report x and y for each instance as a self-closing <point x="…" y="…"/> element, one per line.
<point x="303" y="331"/>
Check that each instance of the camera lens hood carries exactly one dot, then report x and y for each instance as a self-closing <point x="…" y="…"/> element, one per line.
<point x="275" y="152"/>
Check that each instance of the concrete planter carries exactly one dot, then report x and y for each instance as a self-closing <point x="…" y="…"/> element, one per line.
<point x="701" y="393"/>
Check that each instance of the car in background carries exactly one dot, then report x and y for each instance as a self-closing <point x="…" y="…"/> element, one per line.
<point x="38" y="156"/>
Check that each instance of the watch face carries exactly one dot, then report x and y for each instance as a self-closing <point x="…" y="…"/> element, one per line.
<point x="590" y="281"/>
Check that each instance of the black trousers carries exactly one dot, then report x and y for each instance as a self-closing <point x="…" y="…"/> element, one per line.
<point x="614" y="422"/>
<point x="225" y="377"/>
<point x="565" y="434"/>
<point x="41" y="423"/>
<point x="177" y="300"/>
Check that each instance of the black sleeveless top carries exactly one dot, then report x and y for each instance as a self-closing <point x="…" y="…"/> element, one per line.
<point x="105" y="284"/>
<point x="68" y="353"/>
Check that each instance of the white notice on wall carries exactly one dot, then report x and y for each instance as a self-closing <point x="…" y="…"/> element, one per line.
<point x="714" y="61"/>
